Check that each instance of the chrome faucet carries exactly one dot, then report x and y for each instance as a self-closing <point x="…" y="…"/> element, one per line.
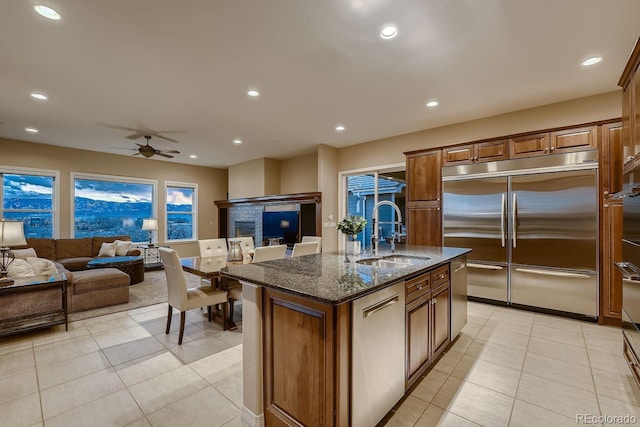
<point x="374" y="218"/>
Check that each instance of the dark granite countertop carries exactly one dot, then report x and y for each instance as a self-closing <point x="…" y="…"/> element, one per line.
<point x="327" y="278"/>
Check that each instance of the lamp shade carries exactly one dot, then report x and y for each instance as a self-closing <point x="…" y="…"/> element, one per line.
<point x="150" y="224"/>
<point x="11" y="233"/>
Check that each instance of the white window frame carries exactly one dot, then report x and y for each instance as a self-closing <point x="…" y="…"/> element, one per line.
<point x="194" y="210"/>
<point x="55" y="174"/>
<point x="110" y="178"/>
<point x="342" y="187"/>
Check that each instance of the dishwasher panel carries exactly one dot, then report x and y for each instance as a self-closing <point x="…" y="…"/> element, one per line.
<point x="377" y="363"/>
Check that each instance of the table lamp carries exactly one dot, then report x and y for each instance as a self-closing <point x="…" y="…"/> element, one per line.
<point x="11" y="234"/>
<point x="150" y="225"/>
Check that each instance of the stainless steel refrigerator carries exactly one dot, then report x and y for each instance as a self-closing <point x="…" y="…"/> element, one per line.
<point x="533" y="227"/>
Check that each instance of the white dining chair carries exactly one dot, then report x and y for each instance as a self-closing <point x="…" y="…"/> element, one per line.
<point x="183" y="298"/>
<point x="268" y="253"/>
<point x="212" y="247"/>
<point x="306" y="239"/>
<point x="300" y="249"/>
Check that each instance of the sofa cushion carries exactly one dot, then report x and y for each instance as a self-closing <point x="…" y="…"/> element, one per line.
<point x="45" y="248"/>
<point x="24" y="253"/>
<point x="97" y="241"/>
<point x="107" y="250"/>
<point x="122" y="247"/>
<point x="75" y="264"/>
<point x="19" y="269"/>
<point x="42" y="266"/>
<point x="98" y="279"/>
<point x="72" y="248"/>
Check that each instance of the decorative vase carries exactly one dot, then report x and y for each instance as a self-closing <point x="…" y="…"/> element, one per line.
<point x="352" y="250"/>
<point x="235" y="252"/>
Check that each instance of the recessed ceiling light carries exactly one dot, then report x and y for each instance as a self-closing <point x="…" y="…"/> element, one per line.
<point x="47" y="12"/>
<point x="591" y="61"/>
<point x="432" y="103"/>
<point x="40" y="96"/>
<point x="193" y="156"/>
<point x="340" y="128"/>
<point x="254" y="93"/>
<point x="389" y="31"/>
<point x="237" y="141"/>
<point x="31" y="130"/>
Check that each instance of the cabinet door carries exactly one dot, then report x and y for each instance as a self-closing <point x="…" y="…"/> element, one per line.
<point x="628" y="146"/>
<point x="423" y="176"/>
<point x="424" y="226"/>
<point x="418" y="334"/>
<point x="458" y="155"/>
<point x="529" y="145"/>
<point x="440" y="319"/>
<point x="611" y="160"/>
<point x="491" y="151"/>
<point x="611" y="296"/>
<point x="578" y="139"/>
<point x="635" y="109"/>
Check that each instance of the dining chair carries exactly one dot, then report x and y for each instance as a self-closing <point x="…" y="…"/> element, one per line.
<point x="306" y="239"/>
<point x="212" y="247"/>
<point x="182" y="298"/>
<point x="268" y="253"/>
<point x="300" y="249"/>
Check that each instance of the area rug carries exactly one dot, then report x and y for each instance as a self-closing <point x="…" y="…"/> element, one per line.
<point x="153" y="290"/>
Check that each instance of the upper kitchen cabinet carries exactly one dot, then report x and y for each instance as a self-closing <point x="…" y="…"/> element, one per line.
<point x="630" y="83"/>
<point x="424" y="171"/>
<point x="479" y="152"/>
<point x="611" y="160"/>
<point x="562" y="141"/>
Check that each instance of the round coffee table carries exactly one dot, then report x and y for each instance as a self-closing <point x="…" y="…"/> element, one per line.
<point x="132" y="265"/>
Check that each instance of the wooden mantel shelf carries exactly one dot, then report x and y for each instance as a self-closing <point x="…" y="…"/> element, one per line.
<point x="280" y="198"/>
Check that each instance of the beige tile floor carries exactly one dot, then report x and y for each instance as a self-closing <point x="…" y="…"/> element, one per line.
<point x="508" y="367"/>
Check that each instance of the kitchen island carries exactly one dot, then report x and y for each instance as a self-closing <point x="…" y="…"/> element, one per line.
<point x="329" y="342"/>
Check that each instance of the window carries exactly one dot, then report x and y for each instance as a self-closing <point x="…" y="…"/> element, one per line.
<point x="111" y="206"/>
<point x="30" y="196"/>
<point x="364" y="190"/>
<point x="181" y="204"/>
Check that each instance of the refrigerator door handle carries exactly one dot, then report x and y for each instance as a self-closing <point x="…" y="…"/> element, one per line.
<point x="502" y="235"/>
<point x="554" y="273"/>
<point x="514" y="208"/>
<point x="484" y="266"/>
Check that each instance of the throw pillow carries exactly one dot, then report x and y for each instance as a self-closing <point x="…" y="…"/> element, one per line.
<point x="107" y="249"/>
<point x="20" y="268"/>
<point x="122" y="247"/>
<point x="24" y="253"/>
<point x="42" y="266"/>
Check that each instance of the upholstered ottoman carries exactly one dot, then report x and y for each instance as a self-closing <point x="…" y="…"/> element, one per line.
<point x="99" y="287"/>
<point x="132" y="265"/>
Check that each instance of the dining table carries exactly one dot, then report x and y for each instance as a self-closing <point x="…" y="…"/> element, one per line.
<point x="209" y="268"/>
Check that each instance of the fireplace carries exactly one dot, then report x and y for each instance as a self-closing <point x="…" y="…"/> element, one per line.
<point x="244" y="228"/>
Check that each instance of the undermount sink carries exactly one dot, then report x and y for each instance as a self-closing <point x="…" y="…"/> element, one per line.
<point x="393" y="261"/>
<point x="383" y="263"/>
<point x="405" y="259"/>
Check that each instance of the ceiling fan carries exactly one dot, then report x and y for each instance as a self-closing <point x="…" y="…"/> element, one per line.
<point x="148" y="151"/>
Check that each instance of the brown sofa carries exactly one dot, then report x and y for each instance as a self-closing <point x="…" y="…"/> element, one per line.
<point x="86" y="289"/>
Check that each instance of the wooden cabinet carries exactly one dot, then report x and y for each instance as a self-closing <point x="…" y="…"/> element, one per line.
<point x="529" y="145"/>
<point x="630" y="84"/>
<point x="611" y="160"/>
<point x="427" y="320"/>
<point x="561" y="141"/>
<point x="423" y="176"/>
<point x="424" y="225"/>
<point x="478" y="152"/>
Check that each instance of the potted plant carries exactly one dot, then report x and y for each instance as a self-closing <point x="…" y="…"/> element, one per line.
<point x="351" y="225"/>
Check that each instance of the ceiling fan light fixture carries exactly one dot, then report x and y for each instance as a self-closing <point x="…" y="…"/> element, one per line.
<point x="47" y="12"/>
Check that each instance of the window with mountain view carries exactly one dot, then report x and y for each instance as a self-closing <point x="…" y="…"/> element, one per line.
<point x="30" y="199"/>
<point x="180" y="213"/>
<point x="109" y="207"/>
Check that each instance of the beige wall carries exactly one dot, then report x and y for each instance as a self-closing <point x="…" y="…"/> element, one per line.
<point x="212" y="183"/>
<point x="299" y="175"/>
<point x="328" y="185"/>
<point x="271" y="177"/>
<point x="390" y="150"/>
<point x="246" y="179"/>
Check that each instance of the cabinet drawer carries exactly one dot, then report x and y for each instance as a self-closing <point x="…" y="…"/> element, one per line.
<point x="417" y="287"/>
<point x="631" y="360"/>
<point x="439" y="276"/>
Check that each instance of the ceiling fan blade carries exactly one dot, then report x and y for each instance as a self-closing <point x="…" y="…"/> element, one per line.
<point x="139" y="145"/>
<point x="159" y="153"/>
<point x="171" y="151"/>
<point x="137" y="154"/>
<point x="165" y="138"/>
<point x="121" y="148"/>
<point x="136" y="135"/>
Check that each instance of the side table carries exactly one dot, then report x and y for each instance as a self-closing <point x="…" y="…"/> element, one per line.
<point x="33" y="303"/>
<point x="151" y="256"/>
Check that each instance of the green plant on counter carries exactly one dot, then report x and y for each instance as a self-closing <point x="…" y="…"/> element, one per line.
<point x="351" y="225"/>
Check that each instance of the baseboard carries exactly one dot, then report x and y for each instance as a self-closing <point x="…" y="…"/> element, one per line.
<point x="248" y="418"/>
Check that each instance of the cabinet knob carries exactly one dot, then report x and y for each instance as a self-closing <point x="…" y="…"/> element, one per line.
<point x="606" y="192"/>
<point x="606" y="205"/>
<point x="552" y="148"/>
<point x="629" y="158"/>
<point x="419" y="287"/>
<point x="546" y="150"/>
<point x="433" y="301"/>
<point x="438" y="208"/>
<point x="440" y="276"/>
